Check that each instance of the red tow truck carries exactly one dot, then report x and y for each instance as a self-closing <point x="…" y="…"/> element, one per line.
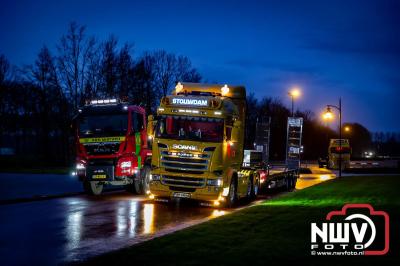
<point x="112" y="146"/>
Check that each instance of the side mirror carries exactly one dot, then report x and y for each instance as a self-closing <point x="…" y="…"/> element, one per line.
<point x="236" y="131"/>
<point x="150" y="125"/>
<point x="150" y="130"/>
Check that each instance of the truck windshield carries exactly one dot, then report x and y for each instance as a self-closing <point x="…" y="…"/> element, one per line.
<point x="190" y="128"/>
<point x="103" y="125"/>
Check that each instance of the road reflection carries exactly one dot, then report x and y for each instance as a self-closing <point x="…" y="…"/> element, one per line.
<point x="94" y="225"/>
<point x="148" y="218"/>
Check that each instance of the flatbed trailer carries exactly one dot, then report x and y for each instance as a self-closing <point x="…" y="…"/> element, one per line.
<point x="279" y="176"/>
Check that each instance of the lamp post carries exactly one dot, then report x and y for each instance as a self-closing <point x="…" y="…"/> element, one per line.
<point x="295" y="92"/>
<point x="328" y="115"/>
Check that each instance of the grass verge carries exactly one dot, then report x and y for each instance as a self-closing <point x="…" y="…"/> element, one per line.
<point x="275" y="232"/>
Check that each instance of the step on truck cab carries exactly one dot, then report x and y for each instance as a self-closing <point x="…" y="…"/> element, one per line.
<point x="198" y="145"/>
<point x="111" y="146"/>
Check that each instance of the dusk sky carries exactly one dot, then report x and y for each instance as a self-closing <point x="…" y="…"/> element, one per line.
<point x="327" y="48"/>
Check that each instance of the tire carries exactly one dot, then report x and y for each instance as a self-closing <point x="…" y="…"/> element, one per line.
<point x="141" y="184"/>
<point x="255" y="188"/>
<point x="290" y="183"/>
<point x="294" y="181"/>
<point x="232" y="198"/>
<point x="249" y="188"/>
<point x="93" y="187"/>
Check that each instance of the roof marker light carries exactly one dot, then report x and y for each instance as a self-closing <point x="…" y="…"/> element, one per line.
<point x="178" y="87"/>
<point x="224" y="90"/>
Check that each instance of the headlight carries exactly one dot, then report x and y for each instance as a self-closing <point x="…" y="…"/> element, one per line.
<point x="80" y="166"/>
<point x="126" y="164"/>
<point x="215" y="182"/>
<point x="155" y="177"/>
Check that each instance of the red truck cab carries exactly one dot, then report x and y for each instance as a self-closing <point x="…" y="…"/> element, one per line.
<point x="112" y="146"/>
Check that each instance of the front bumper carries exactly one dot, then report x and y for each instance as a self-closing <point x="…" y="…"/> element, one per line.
<point x="206" y="193"/>
<point x="194" y="187"/>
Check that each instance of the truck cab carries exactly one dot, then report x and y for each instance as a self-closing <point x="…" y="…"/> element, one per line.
<point x="111" y="146"/>
<point x="198" y="145"/>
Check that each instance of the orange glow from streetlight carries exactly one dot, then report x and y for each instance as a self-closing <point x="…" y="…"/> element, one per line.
<point x="347" y="128"/>
<point x="328" y="115"/>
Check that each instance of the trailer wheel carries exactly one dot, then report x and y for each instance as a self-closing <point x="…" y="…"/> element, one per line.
<point x="142" y="183"/>
<point x="249" y="187"/>
<point x="232" y="198"/>
<point x="294" y="181"/>
<point x="93" y="187"/>
<point x="255" y="188"/>
<point x="289" y="183"/>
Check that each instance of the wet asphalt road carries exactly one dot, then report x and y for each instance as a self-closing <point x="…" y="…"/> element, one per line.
<point x="69" y="229"/>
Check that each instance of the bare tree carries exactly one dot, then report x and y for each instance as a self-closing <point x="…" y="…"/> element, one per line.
<point x="4" y="68"/>
<point x="94" y="77"/>
<point x="109" y="65"/>
<point x="164" y="71"/>
<point x="144" y="92"/>
<point x="75" y="50"/>
<point x="168" y="69"/>
<point x="185" y="71"/>
<point x="44" y="72"/>
<point x="125" y="70"/>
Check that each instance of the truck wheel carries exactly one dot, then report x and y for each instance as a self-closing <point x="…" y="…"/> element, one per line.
<point x="231" y="200"/>
<point x="93" y="187"/>
<point x="255" y="187"/>
<point x="142" y="183"/>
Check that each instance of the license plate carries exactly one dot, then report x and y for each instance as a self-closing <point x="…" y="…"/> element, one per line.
<point x="99" y="176"/>
<point x="181" y="195"/>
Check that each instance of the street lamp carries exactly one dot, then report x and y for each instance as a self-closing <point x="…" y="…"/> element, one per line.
<point x="347" y="129"/>
<point x="294" y="93"/>
<point x="329" y="115"/>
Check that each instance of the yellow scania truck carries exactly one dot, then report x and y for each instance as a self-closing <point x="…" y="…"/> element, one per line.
<point x="198" y="147"/>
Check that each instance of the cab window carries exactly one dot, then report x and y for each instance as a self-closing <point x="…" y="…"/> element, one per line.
<point x="137" y="122"/>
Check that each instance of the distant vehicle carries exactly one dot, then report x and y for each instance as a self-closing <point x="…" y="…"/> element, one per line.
<point x="198" y="148"/>
<point x="111" y="146"/>
<point x="323" y="162"/>
<point x="339" y="148"/>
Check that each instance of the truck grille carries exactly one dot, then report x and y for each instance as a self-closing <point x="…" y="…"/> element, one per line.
<point x="183" y="181"/>
<point x="102" y="162"/>
<point x="102" y="148"/>
<point x="182" y="189"/>
<point x="188" y="162"/>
